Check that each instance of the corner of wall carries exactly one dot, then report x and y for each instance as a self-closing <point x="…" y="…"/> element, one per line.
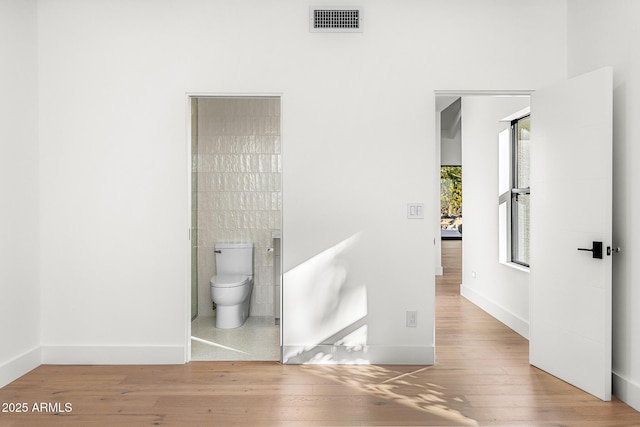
<point x="626" y="390"/>
<point x="505" y="316"/>
<point x="19" y="246"/>
<point x="20" y="365"/>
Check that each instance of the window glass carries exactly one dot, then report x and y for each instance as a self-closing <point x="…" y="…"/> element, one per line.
<point x="523" y="128"/>
<point x="520" y="248"/>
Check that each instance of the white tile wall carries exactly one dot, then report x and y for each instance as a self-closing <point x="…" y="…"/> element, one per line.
<point x="237" y="166"/>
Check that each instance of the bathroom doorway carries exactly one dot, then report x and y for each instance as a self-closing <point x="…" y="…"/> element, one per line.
<point x="235" y="177"/>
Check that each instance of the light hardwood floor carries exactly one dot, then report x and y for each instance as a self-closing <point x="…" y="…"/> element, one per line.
<point x="481" y="377"/>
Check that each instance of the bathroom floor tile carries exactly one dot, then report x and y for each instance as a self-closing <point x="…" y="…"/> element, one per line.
<point x="257" y="339"/>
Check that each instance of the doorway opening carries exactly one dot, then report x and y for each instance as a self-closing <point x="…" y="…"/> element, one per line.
<point x="235" y="197"/>
<point x="468" y="139"/>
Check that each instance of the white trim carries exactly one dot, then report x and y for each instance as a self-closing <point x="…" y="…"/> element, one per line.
<point x="505" y="316"/>
<point x="515" y="266"/>
<point x="189" y="261"/>
<point x="437" y="240"/>
<point x="626" y="390"/>
<point x="20" y="365"/>
<point x="113" y="355"/>
<point x="282" y="228"/>
<point x="327" y="354"/>
<point x="511" y="93"/>
<point x="246" y="95"/>
<point x="517" y="115"/>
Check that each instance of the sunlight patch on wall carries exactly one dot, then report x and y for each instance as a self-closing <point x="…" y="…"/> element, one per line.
<point x="329" y="305"/>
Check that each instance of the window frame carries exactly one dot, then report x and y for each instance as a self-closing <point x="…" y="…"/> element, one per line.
<point x="509" y="199"/>
<point x="516" y="191"/>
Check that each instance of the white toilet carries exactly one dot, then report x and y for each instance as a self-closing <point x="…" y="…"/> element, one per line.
<point x="231" y="286"/>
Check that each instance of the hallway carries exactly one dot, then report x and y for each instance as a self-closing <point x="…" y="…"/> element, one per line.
<point x="491" y="366"/>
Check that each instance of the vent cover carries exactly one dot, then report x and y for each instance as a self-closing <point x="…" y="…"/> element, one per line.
<point x="335" y="20"/>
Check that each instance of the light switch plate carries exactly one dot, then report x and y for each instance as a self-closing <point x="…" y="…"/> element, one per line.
<point x="415" y="210"/>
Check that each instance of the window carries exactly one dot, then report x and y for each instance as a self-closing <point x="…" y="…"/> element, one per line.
<point x="451" y="202"/>
<point x="514" y="190"/>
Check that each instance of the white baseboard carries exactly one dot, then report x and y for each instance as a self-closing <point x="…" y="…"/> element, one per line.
<point x="626" y="390"/>
<point x="20" y="365"/>
<point x="513" y="321"/>
<point x="327" y="354"/>
<point x="439" y="271"/>
<point x="113" y="355"/>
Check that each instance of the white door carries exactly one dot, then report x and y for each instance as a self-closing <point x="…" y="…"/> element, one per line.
<point x="571" y="187"/>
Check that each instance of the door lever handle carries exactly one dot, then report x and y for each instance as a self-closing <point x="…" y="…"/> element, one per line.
<point x="596" y="250"/>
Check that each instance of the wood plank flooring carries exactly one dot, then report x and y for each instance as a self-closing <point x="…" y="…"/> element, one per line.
<point x="481" y="377"/>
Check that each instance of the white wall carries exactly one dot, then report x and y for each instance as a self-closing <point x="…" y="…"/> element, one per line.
<point x="19" y="287"/>
<point x="501" y="290"/>
<point x="451" y="136"/>
<point x="604" y="33"/>
<point x="358" y="144"/>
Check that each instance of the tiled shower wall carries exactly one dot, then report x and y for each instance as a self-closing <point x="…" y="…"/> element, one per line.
<point x="237" y="165"/>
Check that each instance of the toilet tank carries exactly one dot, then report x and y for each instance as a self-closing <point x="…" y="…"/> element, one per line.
<point x="234" y="258"/>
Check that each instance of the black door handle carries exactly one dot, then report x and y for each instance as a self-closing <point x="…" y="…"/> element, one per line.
<point x="596" y="250"/>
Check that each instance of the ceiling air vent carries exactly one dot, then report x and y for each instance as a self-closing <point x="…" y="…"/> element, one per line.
<point x="335" y="20"/>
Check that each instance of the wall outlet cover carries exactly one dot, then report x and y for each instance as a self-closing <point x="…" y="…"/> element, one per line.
<point x="412" y="318"/>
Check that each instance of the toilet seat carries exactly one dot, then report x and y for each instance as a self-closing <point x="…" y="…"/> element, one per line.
<point x="229" y="281"/>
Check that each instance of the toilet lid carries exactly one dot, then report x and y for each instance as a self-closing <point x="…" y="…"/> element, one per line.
<point x="229" y="281"/>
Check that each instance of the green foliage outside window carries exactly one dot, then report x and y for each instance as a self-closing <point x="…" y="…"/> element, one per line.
<point x="451" y="190"/>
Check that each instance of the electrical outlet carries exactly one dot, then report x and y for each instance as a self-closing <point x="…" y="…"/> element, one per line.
<point x="412" y="319"/>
